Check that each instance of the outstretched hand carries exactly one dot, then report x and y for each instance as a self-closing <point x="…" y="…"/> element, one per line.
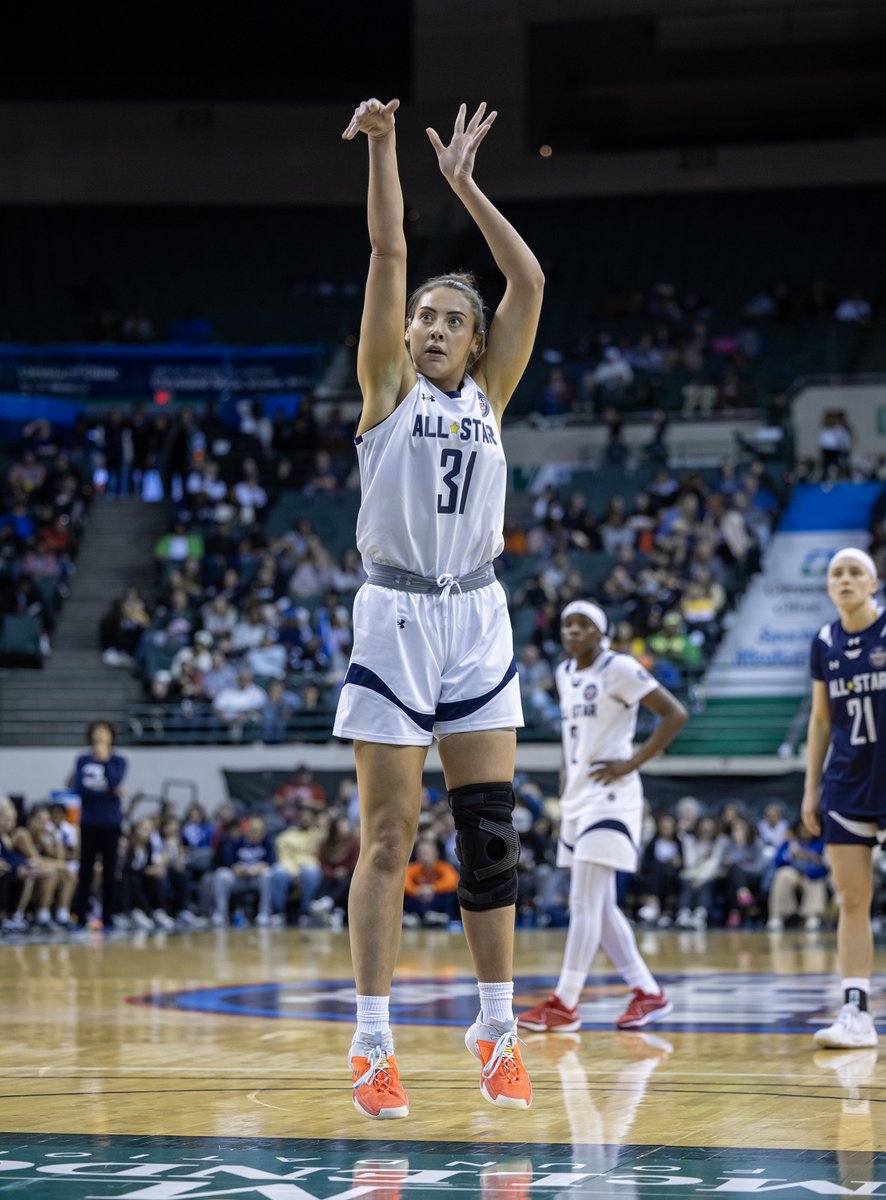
<point x="373" y="118"/>
<point x="457" y="159"/>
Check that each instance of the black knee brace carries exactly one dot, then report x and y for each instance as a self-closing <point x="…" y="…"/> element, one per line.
<point x="488" y="845"/>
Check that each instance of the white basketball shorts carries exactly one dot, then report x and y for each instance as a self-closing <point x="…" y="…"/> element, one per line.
<point x="425" y="666"/>
<point x="606" y="829"/>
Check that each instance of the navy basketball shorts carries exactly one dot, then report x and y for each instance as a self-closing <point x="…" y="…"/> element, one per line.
<point x="839" y="830"/>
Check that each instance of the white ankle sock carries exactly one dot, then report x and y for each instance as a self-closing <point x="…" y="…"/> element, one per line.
<point x="373" y="1014"/>
<point x="496" y="1001"/>
<point x="638" y="975"/>
<point x="569" y="987"/>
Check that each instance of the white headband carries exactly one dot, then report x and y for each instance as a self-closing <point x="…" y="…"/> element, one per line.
<point x="858" y="556"/>
<point x="586" y="609"/>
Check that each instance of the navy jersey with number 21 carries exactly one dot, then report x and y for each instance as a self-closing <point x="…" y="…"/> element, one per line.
<point x="852" y="667"/>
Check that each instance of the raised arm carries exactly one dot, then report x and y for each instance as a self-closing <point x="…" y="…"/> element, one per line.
<point x="512" y="332"/>
<point x="383" y="364"/>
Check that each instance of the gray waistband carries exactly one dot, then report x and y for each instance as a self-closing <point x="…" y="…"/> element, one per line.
<point x="407" y="581"/>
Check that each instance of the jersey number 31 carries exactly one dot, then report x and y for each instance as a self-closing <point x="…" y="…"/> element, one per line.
<point x="453" y="459"/>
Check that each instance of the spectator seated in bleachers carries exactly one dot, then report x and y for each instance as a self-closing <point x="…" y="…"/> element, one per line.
<point x="672" y="568"/>
<point x="17" y="880"/>
<point x="538" y="689"/>
<point x="279" y="707"/>
<point x="300" y="790"/>
<point x="44" y="499"/>
<point x="298" y="858"/>
<point x="431" y="884"/>
<point x="179" y="544"/>
<point x="701" y="605"/>
<point x="196" y="839"/>
<point x="772" y="829"/>
<point x="703" y="853"/>
<point x="542" y="886"/>
<point x="267" y="660"/>
<point x="671" y="644"/>
<point x="800" y="881"/>
<point x="350" y="574"/>
<point x="176" y="887"/>
<point x="68" y="834"/>
<point x="659" y="876"/>
<point x="338" y="853"/>
<point x="743" y="863"/>
<point x="148" y="873"/>
<point x="43" y="846"/>
<point x="121" y="628"/>
<point x="245" y="870"/>
<point x="239" y="707"/>
<point x="700" y="358"/>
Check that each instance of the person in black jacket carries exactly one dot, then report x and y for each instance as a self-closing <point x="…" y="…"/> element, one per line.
<point x="659" y="876"/>
<point x="97" y="779"/>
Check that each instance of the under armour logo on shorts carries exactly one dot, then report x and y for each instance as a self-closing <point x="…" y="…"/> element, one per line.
<point x="401" y="622"/>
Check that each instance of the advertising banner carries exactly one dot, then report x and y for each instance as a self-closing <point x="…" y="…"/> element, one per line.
<point x="787" y="602"/>
<point x="89" y="372"/>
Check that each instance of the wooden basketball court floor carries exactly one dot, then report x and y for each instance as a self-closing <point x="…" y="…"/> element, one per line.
<point x="214" y="1064"/>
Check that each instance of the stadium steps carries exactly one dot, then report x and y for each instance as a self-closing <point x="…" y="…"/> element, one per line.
<point x="738" y="726"/>
<point x="53" y="705"/>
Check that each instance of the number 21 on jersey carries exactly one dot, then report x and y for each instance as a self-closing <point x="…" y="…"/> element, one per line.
<point x="864" y="728"/>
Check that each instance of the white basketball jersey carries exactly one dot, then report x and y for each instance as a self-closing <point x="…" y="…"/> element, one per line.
<point x="433" y="479"/>
<point x="598" y="708"/>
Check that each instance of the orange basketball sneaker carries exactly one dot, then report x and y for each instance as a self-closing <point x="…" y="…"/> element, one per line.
<point x="378" y="1092"/>
<point x="503" y="1078"/>
<point x="644" y="1008"/>
<point x="551" y="1016"/>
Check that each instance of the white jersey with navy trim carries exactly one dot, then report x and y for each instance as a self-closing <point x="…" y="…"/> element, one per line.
<point x="598" y="710"/>
<point x="433" y="478"/>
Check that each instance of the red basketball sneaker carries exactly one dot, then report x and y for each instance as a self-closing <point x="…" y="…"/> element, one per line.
<point x="550" y="1017"/>
<point x="644" y="1008"/>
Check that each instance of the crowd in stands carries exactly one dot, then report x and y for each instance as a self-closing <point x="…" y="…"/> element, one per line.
<point x="45" y="493"/>
<point x="657" y="347"/>
<point x="248" y="631"/>
<point x="694" y="865"/>
<point x="244" y="628"/>
<point x="674" y="559"/>
<point x="224" y="462"/>
<point x="289" y="862"/>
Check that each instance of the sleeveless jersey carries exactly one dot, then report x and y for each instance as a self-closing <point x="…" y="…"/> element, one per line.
<point x="433" y="479"/>
<point x="852" y="667"/>
<point x="598" y="709"/>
